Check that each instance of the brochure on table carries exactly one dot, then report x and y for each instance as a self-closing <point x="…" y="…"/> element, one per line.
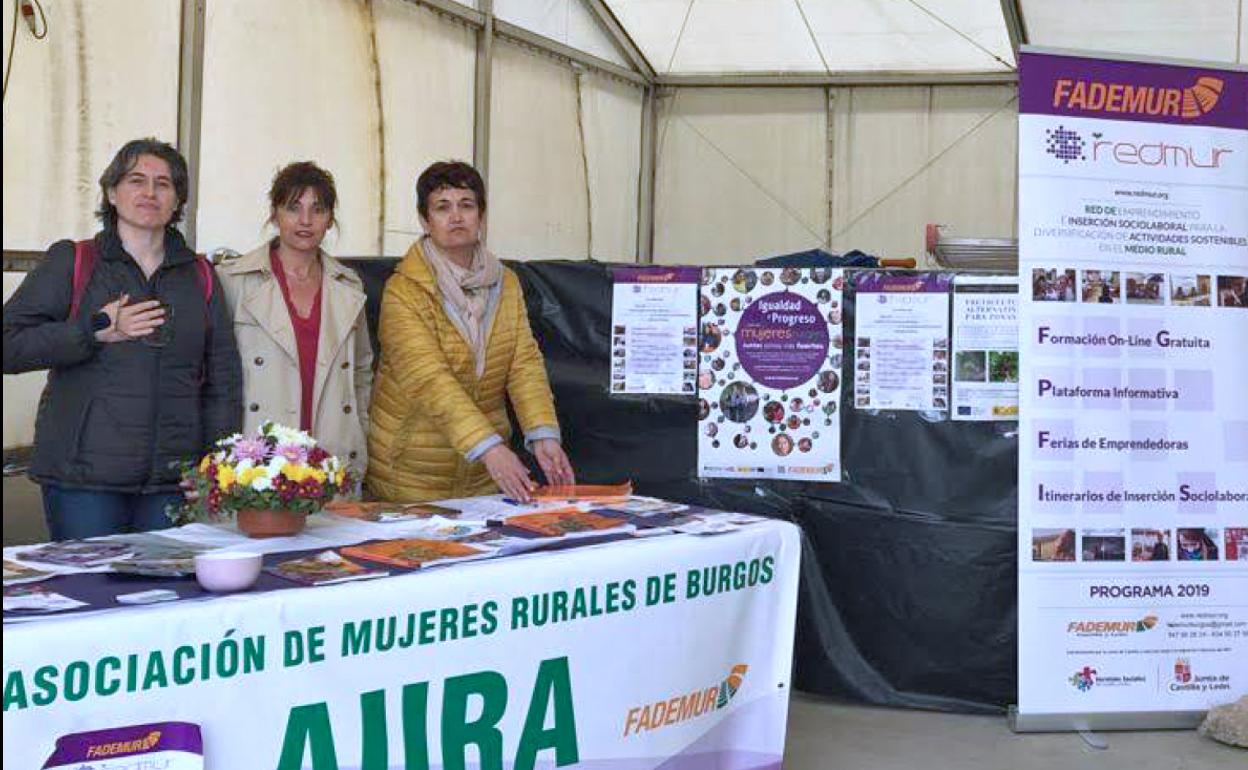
<point x="1133" y="431"/>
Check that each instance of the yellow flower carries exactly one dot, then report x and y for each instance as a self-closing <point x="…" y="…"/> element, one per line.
<point x="295" y="473"/>
<point x="340" y="477"/>
<point x="225" y="477"/>
<point x="246" y="477"/>
<point x="319" y="475"/>
<point x="204" y="463"/>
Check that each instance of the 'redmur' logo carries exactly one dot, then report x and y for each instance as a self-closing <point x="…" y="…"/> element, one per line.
<point x="1083" y="680"/>
<point x="1068" y="145"/>
<point x="1064" y="144"/>
<point x="682" y="708"/>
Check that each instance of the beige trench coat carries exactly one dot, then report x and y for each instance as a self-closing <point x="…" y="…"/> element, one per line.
<point x="266" y="344"/>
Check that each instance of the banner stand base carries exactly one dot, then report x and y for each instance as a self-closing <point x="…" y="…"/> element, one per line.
<point x="1110" y="720"/>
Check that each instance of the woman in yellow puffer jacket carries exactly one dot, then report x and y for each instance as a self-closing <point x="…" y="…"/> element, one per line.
<point x="455" y="345"/>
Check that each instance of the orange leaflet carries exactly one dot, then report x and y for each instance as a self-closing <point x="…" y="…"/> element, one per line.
<point x="560" y="522"/>
<point x="413" y="553"/>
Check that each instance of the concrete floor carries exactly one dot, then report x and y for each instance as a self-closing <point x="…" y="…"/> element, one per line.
<point x="827" y="734"/>
<point x="835" y="735"/>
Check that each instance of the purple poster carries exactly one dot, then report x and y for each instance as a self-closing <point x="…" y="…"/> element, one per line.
<point x="769" y="373"/>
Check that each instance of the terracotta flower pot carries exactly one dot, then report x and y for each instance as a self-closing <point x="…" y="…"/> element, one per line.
<point x="266" y="523"/>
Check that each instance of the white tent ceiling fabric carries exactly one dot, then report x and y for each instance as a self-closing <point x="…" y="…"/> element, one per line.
<point x="564" y="21"/>
<point x="701" y="37"/>
<point x="1201" y="30"/>
<point x="711" y="36"/>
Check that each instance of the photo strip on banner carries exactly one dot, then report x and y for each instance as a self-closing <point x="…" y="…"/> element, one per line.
<point x="654" y="332"/>
<point x="769" y="373"/>
<point x="984" y="385"/>
<point x="901" y="342"/>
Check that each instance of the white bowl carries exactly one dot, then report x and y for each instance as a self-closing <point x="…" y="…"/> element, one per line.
<point x="225" y="571"/>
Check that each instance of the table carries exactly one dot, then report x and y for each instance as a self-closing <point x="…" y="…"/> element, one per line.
<point x="671" y="650"/>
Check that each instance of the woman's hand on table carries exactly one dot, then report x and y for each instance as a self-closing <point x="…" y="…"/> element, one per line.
<point x="554" y="462"/>
<point x="509" y="473"/>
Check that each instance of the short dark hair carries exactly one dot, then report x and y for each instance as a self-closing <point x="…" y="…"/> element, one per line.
<point x="125" y="160"/>
<point x="290" y="182"/>
<point x="448" y="173"/>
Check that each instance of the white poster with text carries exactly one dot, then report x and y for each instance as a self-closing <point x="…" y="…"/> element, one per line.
<point x="654" y="335"/>
<point x="985" y="348"/>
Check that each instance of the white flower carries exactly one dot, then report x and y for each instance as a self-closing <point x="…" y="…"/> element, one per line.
<point x="244" y="465"/>
<point x="262" y="483"/>
<point x="285" y="435"/>
<point x="228" y="441"/>
<point x="276" y="465"/>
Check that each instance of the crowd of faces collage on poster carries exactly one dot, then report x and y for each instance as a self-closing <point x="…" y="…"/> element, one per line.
<point x="770" y="355"/>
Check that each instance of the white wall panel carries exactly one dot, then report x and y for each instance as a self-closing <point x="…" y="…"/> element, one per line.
<point x="21" y="391"/>
<point x="288" y="80"/>
<point x="741" y="174"/>
<point x="99" y="79"/>
<point x="427" y="74"/>
<point x="538" y="204"/>
<point x="906" y="157"/>
<point x="612" y="115"/>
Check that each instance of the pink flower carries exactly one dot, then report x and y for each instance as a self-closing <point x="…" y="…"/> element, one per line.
<point x="254" y="449"/>
<point x="292" y="453"/>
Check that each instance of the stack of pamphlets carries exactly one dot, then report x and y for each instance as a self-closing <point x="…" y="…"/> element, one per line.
<point x="415" y="553"/>
<point x="324" y="568"/>
<point x="77" y="553"/>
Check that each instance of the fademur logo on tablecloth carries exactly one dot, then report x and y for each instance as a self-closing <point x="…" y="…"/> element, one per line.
<point x="681" y="708"/>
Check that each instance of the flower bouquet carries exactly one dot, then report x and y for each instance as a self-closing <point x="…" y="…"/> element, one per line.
<point x="270" y="480"/>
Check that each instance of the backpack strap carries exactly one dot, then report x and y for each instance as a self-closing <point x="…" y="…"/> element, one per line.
<point x="85" y="255"/>
<point x="204" y="271"/>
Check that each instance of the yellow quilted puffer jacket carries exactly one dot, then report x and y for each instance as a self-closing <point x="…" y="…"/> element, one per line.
<point x="429" y="409"/>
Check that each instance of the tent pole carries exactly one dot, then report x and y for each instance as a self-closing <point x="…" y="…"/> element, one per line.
<point x="646" y="171"/>
<point x="191" y="105"/>
<point x="481" y="92"/>
<point x="1012" y="12"/>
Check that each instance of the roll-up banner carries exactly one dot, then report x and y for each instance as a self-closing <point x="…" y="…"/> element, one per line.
<point x="1133" y="443"/>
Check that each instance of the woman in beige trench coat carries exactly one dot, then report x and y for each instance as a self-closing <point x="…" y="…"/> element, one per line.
<point x="300" y="324"/>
